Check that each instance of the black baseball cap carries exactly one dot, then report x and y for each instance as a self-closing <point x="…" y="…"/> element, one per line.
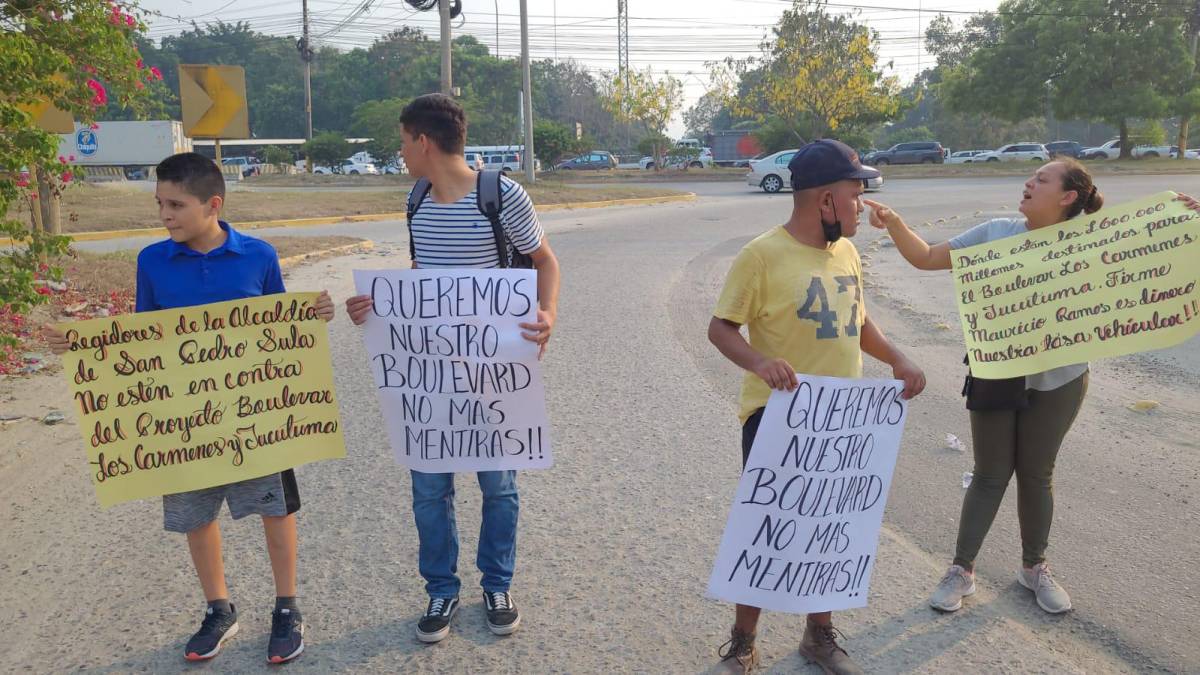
<point x="824" y="162"/>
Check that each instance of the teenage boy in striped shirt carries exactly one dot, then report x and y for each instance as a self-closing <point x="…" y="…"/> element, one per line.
<point x="448" y="230"/>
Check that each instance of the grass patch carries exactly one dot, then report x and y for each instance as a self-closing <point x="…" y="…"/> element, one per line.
<point x="99" y="274"/>
<point x="546" y="177"/>
<point x="103" y="284"/>
<point x="98" y="208"/>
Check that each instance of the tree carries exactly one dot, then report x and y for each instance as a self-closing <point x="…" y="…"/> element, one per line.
<point x="379" y="121"/>
<point x="922" y="106"/>
<point x="1147" y="132"/>
<point x="1186" y="95"/>
<point x="277" y="156"/>
<point x="775" y="134"/>
<point x="647" y="144"/>
<point x="700" y="118"/>
<point x="1109" y="66"/>
<point x="637" y="96"/>
<point x="817" y="73"/>
<point x="953" y="46"/>
<point x="76" y="55"/>
<point x="327" y="148"/>
<point x="553" y="140"/>
<point x="400" y="65"/>
<point x="565" y="91"/>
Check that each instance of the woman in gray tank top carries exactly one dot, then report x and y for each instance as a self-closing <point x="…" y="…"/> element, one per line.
<point x="1025" y="440"/>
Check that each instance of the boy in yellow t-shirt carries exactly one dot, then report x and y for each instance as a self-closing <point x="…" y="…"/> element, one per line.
<point x="798" y="288"/>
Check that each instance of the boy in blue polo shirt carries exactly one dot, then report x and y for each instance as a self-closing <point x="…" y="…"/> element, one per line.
<point x="205" y="260"/>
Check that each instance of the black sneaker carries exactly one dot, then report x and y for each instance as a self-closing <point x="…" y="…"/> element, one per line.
<point x="435" y="625"/>
<point x="502" y="615"/>
<point x="287" y="636"/>
<point x="215" y="630"/>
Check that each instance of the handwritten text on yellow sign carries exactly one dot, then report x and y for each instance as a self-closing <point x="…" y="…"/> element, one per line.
<point x="1119" y="281"/>
<point x="190" y="398"/>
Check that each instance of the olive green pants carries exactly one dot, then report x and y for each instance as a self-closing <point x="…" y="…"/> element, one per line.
<point x="1024" y="442"/>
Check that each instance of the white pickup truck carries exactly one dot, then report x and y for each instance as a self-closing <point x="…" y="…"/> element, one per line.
<point x="1110" y="150"/>
<point x="1154" y="151"/>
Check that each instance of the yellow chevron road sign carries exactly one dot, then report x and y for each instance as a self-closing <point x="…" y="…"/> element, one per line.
<point x="214" y="101"/>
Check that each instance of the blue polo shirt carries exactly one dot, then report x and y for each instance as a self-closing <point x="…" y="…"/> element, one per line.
<point x="173" y="275"/>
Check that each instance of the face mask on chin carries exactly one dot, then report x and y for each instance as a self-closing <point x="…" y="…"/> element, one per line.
<point x="832" y="231"/>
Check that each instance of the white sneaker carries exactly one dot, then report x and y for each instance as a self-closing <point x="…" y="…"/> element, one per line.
<point x="1050" y="596"/>
<point x="956" y="584"/>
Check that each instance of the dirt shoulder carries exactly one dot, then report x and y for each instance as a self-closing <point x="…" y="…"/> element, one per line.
<point x="100" y="208"/>
<point x="546" y="179"/>
<point x="103" y="284"/>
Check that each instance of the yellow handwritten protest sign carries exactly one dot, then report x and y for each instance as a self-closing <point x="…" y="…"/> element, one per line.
<point x="195" y="397"/>
<point x="1119" y="281"/>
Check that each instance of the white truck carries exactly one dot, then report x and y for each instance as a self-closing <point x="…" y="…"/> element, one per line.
<point x="130" y="146"/>
<point x="1110" y="150"/>
<point x="1154" y="151"/>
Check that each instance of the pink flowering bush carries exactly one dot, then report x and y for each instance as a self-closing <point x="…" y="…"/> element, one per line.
<point x="80" y="55"/>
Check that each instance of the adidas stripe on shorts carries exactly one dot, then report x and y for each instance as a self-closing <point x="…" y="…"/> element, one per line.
<point x="273" y="495"/>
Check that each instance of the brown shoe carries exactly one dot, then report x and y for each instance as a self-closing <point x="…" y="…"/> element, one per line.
<point x="820" y="647"/>
<point x="740" y="652"/>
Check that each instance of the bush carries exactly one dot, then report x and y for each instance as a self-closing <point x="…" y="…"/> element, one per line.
<point x="278" y="156"/>
<point x="327" y="148"/>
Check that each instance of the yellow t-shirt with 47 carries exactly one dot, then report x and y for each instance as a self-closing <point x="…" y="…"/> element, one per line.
<point x="800" y="303"/>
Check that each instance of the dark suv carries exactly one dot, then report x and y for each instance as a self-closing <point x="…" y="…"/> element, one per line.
<point x="924" y="152"/>
<point x="1064" y="148"/>
<point x="597" y="159"/>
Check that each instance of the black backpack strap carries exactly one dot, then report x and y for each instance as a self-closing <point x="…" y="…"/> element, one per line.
<point x="489" y="201"/>
<point x="415" y="197"/>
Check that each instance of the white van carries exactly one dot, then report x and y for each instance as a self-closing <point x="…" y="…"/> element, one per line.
<point x="502" y="161"/>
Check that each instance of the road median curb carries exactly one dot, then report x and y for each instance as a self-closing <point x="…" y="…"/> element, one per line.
<point x="364" y="218"/>
<point x="293" y="260"/>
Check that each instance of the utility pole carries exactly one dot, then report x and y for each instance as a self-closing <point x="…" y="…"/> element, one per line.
<point x="622" y="37"/>
<point x="306" y="55"/>
<point x="447" y="79"/>
<point x="623" y="55"/>
<point x="527" y="99"/>
<point x="497" y="5"/>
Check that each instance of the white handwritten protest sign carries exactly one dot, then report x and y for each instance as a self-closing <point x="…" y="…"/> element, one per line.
<point x="459" y="387"/>
<point x="802" y="534"/>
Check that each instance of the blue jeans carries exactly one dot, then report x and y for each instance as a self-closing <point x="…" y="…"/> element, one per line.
<point x="433" y="509"/>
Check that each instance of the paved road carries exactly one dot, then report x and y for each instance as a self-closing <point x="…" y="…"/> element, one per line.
<point x="617" y="539"/>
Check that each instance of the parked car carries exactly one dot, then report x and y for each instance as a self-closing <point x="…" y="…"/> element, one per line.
<point x="924" y="152"/>
<point x="1065" y="148"/>
<point x="964" y="156"/>
<point x="1190" y="154"/>
<point x="1015" y="152"/>
<point x="771" y="173"/>
<point x="353" y="168"/>
<point x="1110" y="150"/>
<point x="703" y="160"/>
<point x="596" y="159"/>
<point x="249" y="165"/>
<point x="348" y="167"/>
<point x="394" y="168"/>
<point x="502" y="161"/>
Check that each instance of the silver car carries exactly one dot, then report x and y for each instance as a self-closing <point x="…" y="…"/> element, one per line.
<point x="771" y="173"/>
